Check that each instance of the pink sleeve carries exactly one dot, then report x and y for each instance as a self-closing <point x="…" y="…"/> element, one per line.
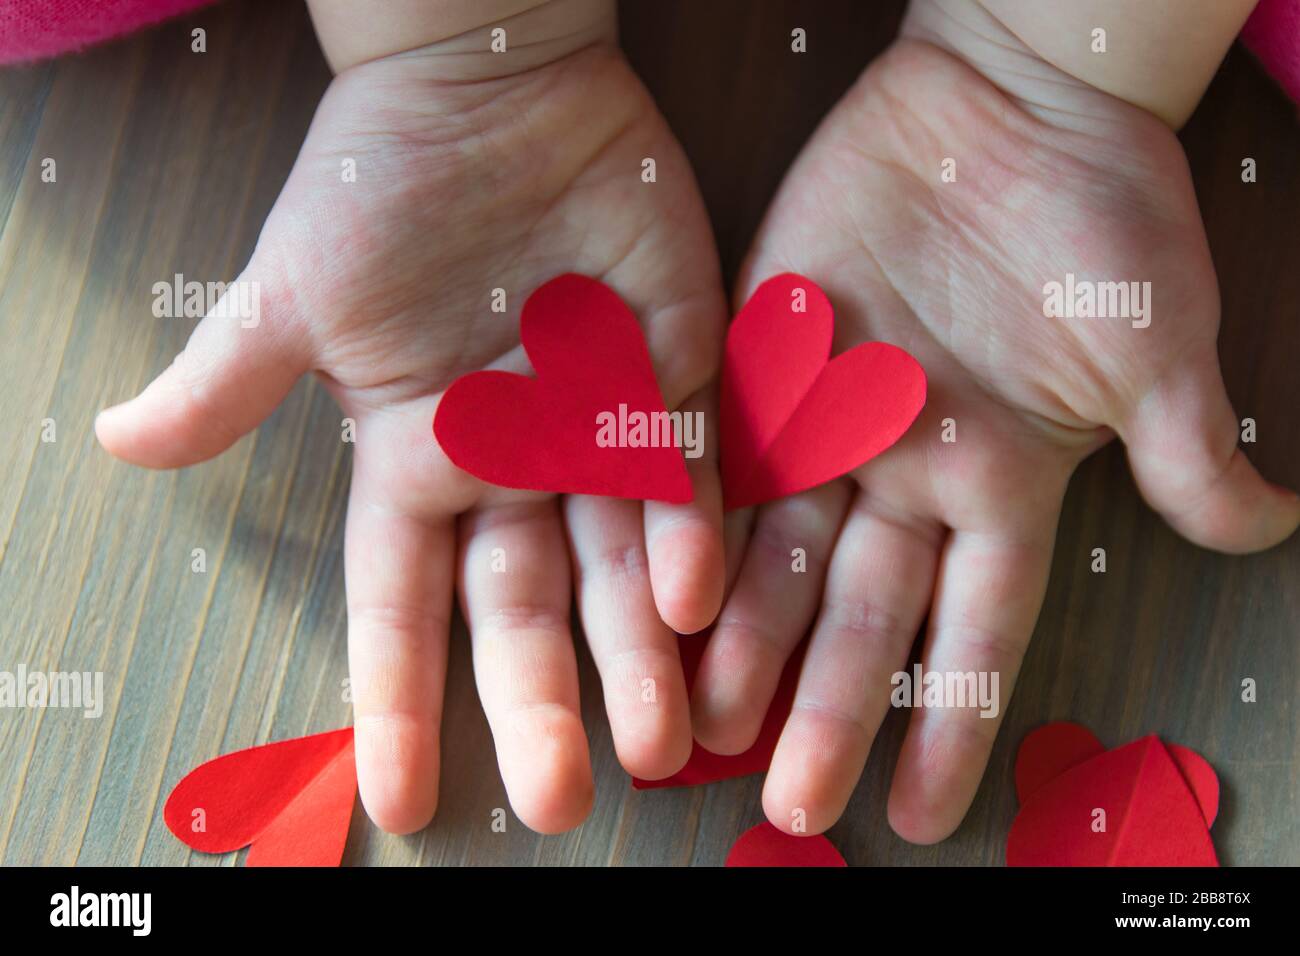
<point x="32" y="29"/>
<point x="1273" y="35"/>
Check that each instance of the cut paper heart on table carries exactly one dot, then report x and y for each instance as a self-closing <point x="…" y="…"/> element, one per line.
<point x="704" y="766"/>
<point x="290" y="801"/>
<point x="792" y="417"/>
<point x="765" y="845"/>
<point x="1159" y="802"/>
<point x="541" y="433"/>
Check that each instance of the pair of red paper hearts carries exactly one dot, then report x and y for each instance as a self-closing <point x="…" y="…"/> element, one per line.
<point x="1146" y="803"/>
<point x="791" y="417"/>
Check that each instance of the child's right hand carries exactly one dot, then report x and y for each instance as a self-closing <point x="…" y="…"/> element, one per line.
<point x="383" y="287"/>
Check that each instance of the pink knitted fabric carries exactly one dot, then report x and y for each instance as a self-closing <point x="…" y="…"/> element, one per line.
<point x="1273" y="35"/>
<point x="32" y="29"/>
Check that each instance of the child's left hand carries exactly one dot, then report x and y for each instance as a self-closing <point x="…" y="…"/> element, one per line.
<point x="962" y="532"/>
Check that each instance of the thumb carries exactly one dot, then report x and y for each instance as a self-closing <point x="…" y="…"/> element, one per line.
<point x="1182" y="447"/>
<point x="240" y="362"/>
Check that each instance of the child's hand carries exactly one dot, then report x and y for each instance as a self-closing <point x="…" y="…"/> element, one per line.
<point x="383" y="286"/>
<point x="1065" y="180"/>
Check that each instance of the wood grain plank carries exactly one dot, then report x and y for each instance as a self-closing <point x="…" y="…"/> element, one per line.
<point x="36" y="301"/>
<point x="239" y="195"/>
<point x="171" y="165"/>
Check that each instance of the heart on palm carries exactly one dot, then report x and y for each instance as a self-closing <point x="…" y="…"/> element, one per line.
<point x="545" y="433"/>
<point x="791" y="416"/>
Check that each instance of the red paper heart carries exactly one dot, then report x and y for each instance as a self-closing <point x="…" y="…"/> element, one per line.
<point x="541" y="433"/>
<point x="1049" y="751"/>
<point x="291" y="800"/>
<point x="704" y="766"/>
<point x="1054" y="748"/>
<point x="1152" y="816"/>
<point x="792" y="417"/>
<point x="1200" y="778"/>
<point x="765" y="845"/>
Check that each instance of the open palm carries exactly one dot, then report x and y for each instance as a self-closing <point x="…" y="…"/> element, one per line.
<point x="382" y="283"/>
<point x="961" y="530"/>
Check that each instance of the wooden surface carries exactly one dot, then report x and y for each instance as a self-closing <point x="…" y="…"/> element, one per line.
<point x="168" y="162"/>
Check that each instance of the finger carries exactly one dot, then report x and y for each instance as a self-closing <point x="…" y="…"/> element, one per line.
<point x="399" y="573"/>
<point x="1182" y="446"/>
<point x="989" y="591"/>
<point x="766" y="616"/>
<point x="635" y="652"/>
<point x="737" y="525"/>
<point x="878" y="587"/>
<point x="238" y="365"/>
<point x="684" y="542"/>
<point x="515" y="592"/>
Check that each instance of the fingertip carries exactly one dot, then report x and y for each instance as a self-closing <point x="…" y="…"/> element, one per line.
<point x="790" y="811"/>
<point x="777" y="808"/>
<point x="812" y="775"/>
<point x="161" y="428"/>
<point x="716" y="726"/>
<point x="686" y="574"/>
<point x="397" y="774"/>
<point x="728" y="701"/>
<point x="916" y="822"/>
<point x="561" y="812"/>
<point x="1273" y="517"/>
<point x="656" y="745"/>
<point x="546" y="767"/>
<point x="1243" y="514"/>
<point x="1184" y="447"/>
<point x="222" y="385"/>
<point x="394" y="818"/>
<point x="654" y="758"/>
<point x="110" y="430"/>
<point x="926" y="806"/>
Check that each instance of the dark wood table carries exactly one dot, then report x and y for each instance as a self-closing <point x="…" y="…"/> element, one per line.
<point x="168" y="162"/>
